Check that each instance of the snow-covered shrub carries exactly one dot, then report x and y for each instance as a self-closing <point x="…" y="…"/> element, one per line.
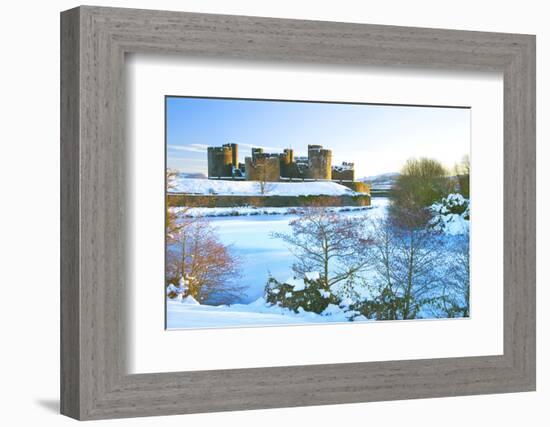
<point x="451" y="215"/>
<point x="454" y="203"/>
<point x="386" y="305"/>
<point x="173" y="291"/>
<point x="307" y="294"/>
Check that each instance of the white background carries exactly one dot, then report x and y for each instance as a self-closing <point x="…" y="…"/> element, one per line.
<point x="150" y="78"/>
<point x="29" y="237"/>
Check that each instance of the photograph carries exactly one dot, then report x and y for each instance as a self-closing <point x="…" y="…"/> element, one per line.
<point x="295" y="212"/>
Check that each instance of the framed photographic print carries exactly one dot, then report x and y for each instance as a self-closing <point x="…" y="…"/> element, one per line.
<point x="347" y="210"/>
<point x="286" y="226"/>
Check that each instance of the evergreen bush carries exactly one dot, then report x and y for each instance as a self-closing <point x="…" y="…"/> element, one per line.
<point x="307" y="293"/>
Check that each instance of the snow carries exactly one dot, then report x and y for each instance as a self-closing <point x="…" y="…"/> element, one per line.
<point x="454" y="224"/>
<point x="331" y="310"/>
<point x="444" y="220"/>
<point x="257" y="313"/>
<point x="253" y="188"/>
<point x="345" y="166"/>
<point x="456" y="199"/>
<point x="173" y="289"/>
<point x="323" y="293"/>
<point x="257" y="211"/>
<point x="263" y="256"/>
<point x="312" y="275"/>
<point x="300" y="284"/>
<point x="250" y="239"/>
<point x="297" y="284"/>
<point x="189" y="300"/>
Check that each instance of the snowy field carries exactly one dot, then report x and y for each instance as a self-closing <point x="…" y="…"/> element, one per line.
<point x="255" y="211"/>
<point x="253" y="188"/>
<point x="190" y="314"/>
<point x="249" y="235"/>
<point x="250" y="240"/>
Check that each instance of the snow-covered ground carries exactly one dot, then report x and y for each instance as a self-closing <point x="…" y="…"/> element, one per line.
<point x="250" y="238"/>
<point x="188" y="314"/>
<point x="253" y="188"/>
<point x="254" y="211"/>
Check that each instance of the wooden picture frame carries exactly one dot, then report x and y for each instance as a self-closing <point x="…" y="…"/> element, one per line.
<point x="94" y="41"/>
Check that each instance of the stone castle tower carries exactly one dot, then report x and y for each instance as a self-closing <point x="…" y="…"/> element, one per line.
<point x="319" y="162"/>
<point x="222" y="160"/>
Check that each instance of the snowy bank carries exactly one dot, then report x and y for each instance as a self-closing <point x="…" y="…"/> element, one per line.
<point x="257" y="313"/>
<point x="253" y="188"/>
<point x="254" y="211"/>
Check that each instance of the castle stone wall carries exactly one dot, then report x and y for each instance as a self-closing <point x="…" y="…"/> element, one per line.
<point x="261" y="168"/>
<point x="358" y="186"/>
<point x="229" y="201"/>
<point x="343" y="175"/>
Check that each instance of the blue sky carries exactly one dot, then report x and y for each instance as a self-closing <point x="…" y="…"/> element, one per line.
<point x="377" y="138"/>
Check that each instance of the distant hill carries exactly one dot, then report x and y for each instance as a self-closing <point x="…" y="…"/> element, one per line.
<point x="384" y="181"/>
<point x="195" y="175"/>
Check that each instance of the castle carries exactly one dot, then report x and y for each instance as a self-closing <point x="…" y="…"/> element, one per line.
<point x="260" y="166"/>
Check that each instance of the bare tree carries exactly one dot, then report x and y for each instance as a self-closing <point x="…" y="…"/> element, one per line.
<point x="455" y="293"/>
<point x="212" y="269"/>
<point x="330" y="244"/>
<point x="263" y="175"/>
<point x="407" y="269"/>
<point x="207" y="266"/>
<point x="195" y="256"/>
<point x="172" y="214"/>
<point x="385" y="303"/>
<point x="416" y="269"/>
<point x="462" y="171"/>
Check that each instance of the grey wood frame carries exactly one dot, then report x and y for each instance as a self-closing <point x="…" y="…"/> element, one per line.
<point x="94" y="41"/>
